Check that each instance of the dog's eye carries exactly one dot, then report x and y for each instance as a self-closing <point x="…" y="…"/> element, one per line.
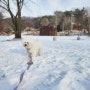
<point x="27" y="42"/>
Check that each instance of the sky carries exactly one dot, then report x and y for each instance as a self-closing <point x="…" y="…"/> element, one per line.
<point x="48" y="7"/>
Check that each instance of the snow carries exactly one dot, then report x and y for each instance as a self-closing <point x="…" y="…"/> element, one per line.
<point x="64" y="65"/>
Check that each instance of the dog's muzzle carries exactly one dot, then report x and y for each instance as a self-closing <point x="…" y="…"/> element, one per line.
<point x="25" y="45"/>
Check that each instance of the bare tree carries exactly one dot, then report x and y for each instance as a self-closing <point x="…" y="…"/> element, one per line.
<point x="1" y="21"/>
<point x="16" y="17"/>
<point x="1" y="18"/>
<point x="89" y="25"/>
<point x="44" y="22"/>
<point x="67" y="21"/>
<point x="58" y="17"/>
<point x="88" y="16"/>
<point x="89" y="19"/>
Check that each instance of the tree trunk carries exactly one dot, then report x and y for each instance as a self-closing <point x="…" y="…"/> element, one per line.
<point x="17" y="31"/>
<point x="17" y="34"/>
<point x="17" y="28"/>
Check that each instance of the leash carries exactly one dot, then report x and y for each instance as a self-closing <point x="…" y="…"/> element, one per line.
<point x="22" y="74"/>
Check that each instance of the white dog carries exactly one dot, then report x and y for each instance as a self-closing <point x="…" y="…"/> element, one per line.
<point x="34" y="47"/>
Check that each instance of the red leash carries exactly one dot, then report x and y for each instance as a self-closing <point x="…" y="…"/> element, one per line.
<point x="22" y="74"/>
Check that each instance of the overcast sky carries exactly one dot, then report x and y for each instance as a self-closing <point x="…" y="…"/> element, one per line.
<point x="47" y="7"/>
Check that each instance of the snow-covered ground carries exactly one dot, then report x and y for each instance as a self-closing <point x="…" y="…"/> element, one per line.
<point x="65" y="64"/>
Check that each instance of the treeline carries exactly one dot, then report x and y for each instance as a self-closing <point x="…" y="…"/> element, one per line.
<point x="67" y="20"/>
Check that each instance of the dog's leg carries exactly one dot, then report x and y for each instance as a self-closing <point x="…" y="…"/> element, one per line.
<point x="33" y="53"/>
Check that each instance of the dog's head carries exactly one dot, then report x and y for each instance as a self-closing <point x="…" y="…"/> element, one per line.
<point x="27" y="43"/>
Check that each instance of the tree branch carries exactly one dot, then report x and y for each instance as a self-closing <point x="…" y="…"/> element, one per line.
<point x="4" y="2"/>
<point x="3" y="7"/>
